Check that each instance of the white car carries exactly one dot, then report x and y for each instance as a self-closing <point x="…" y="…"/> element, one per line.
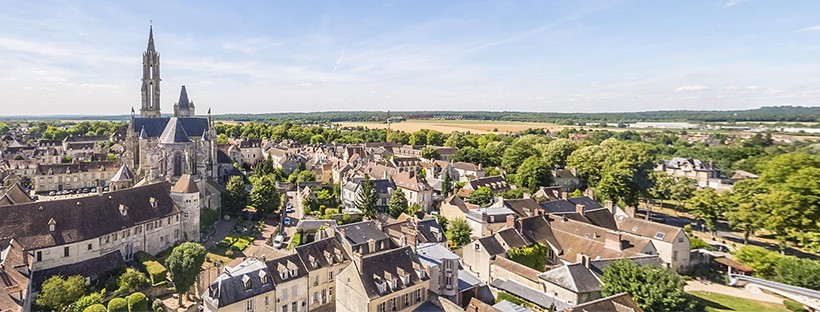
<point x="278" y="241"/>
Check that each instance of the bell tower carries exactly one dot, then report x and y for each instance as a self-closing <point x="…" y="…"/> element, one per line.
<point x="150" y="79"/>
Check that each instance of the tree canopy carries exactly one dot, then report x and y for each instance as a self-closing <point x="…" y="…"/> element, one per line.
<point x="367" y="197"/>
<point x="263" y="195"/>
<point x="397" y="204"/>
<point x="184" y="264"/>
<point x="459" y="231"/>
<point x="235" y="196"/>
<point x="654" y="288"/>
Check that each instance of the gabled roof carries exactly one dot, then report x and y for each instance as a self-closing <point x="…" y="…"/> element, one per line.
<point x="378" y="267"/>
<point x="14" y="194"/>
<point x="183" y="102"/>
<point x="492" y="246"/>
<point x="648" y="229"/>
<point x="124" y="174"/>
<point x="574" y="277"/>
<point x="361" y="232"/>
<point x="194" y="126"/>
<point x="174" y="133"/>
<point x="319" y="251"/>
<point x="230" y="288"/>
<point x="93" y="268"/>
<point x="289" y="262"/>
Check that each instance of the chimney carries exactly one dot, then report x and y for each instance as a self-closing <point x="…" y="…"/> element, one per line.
<point x="411" y="239"/>
<point x="510" y="221"/>
<point x="99" y="188"/>
<point x="613" y="241"/>
<point x="484" y="216"/>
<point x="583" y="259"/>
<point x="591" y="193"/>
<point x="564" y="194"/>
<point x="580" y="209"/>
<point x="526" y="195"/>
<point x="609" y="206"/>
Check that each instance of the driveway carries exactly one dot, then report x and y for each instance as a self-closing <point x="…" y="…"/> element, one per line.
<point x="223" y="228"/>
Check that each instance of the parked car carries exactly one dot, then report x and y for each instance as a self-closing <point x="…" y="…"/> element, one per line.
<point x="278" y="241"/>
<point x="289" y="209"/>
<point x="286" y="222"/>
<point x="52" y="193"/>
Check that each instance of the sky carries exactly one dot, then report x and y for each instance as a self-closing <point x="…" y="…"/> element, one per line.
<point x="84" y="57"/>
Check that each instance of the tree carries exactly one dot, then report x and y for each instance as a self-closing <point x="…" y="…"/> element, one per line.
<point x="588" y="162"/>
<point x="57" y="293"/>
<point x="682" y="189"/>
<point x="459" y="232"/>
<point x="519" y="150"/>
<point x="662" y="186"/>
<point x="302" y="176"/>
<point x="654" y="288"/>
<point x="184" y="263"/>
<point x="118" y="305"/>
<point x="97" y="307"/>
<point x="88" y="300"/>
<point x="558" y="151"/>
<point x="132" y="280"/>
<point x="798" y="272"/>
<point x="708" y="205"/>
<point x="447" y="184"/>
<point x="482" y="196"/>
<point x="367" y="197"/>
<point x="137" y="302"/>
<point x="430" y="153"/>
<point x="760" y="259"/>
<point x="310" y="204"/>
<point x="264" y="196"/>
<point x="745" y="213"/>
<point x="235" y="196"/>
<point x="533" y="173"/>
<point x="533" y="256"/>
<point x="397" y="204"/>
<point x="457" y="140"/>
<point x="442" y="221"/>
<point x="317" y="138"/>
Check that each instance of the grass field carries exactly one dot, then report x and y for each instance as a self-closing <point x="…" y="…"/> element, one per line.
<point x="722" y="303"/>
<point x="447" y="126"/>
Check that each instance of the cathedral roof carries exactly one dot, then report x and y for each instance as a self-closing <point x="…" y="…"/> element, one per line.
<point x="194" y="126"/>
<point x="183" y="99"/>
<point x="174" y="133"/>
<point x="185" y="185"/>
<point x="143" y="135"/>
<point x="124" y="174"/>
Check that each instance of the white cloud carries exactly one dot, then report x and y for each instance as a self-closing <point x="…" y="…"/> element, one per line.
<point x="812" y="28"/>
<point x="731" y="3"/>
<point x="692" y="88"/>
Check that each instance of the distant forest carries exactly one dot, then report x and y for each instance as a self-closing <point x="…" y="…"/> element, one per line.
<point x="767" y="114"/>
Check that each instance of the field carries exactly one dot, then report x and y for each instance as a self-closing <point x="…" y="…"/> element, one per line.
<point x="721" y="303"/>
<point x="447" y="126"/>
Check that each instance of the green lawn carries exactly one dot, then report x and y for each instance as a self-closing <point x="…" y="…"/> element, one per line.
<point x="720" y="303"/>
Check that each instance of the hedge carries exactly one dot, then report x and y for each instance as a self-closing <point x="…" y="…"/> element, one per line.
<point x="156" y="271"/>
<point x="137" y="302"/>
<point x="533" y="256"/>
<point x="118" y="305"/>
<point x="794" y="306"/>
<point x="96" y="308"/>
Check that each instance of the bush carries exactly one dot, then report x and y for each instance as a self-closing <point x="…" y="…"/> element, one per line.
<point x="87" y="301"/>
<point x="132" y="280"/>
<point x="533" y="256"/>
<point x="229" y="254"/>
<point x="118" y="305"/>
<point x="697" y="243"/>
<point x="793" y="306"/>
<point x="158" y="306"/>
<point x="137" y="302"/>
<point x="96" y="308"/>
<point x="156" y="271"/>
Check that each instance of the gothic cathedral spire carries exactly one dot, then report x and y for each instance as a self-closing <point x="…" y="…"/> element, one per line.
<point x="150" y="79"/>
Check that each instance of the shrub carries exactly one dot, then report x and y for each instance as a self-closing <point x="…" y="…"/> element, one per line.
<point x="156" y="271"/>
<point x="118" y="305"/>
<point x="158" y="306"/>
<point x="96" y="308"/>
<point x="87" y="301"/>
<point x="533" y="256"/>
<point x="697" y="243"/>
<point x="793" y="306"/>
<point x="132" y="280"/>
<point x="229" y="254"/>
<point x="137" y="302"/>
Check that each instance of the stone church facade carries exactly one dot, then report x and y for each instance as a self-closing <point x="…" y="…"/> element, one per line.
<point x="164" y="148"/>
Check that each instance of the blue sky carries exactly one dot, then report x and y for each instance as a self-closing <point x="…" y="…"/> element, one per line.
<point x="71" y="57"/>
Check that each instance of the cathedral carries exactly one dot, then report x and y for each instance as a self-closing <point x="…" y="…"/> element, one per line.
<point x="165" y="148"/>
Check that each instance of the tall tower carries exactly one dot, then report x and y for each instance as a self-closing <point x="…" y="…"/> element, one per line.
<point x="150" y="79"/>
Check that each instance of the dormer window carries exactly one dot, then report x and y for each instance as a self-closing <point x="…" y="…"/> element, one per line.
<point x="247" y="281"/>
<point x="263" y="276"/>
<point x="52" y="225"/>
<point x="153" y="202"/>
<point x="123" y="210"/>
<point x="380" y="284"/>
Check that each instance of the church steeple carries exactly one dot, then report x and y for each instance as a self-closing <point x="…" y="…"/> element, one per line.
<point x="184" y="107"/>
<point x="150" y="79"/>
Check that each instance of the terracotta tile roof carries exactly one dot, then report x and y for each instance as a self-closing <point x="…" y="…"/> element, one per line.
<point x="185" y="184"/>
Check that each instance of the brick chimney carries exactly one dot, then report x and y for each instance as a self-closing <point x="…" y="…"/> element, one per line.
<point x="613" y="241"/>
<point x="580" y="209"/>
<point x="583" y="259"/>
<point x="510" y="221"/>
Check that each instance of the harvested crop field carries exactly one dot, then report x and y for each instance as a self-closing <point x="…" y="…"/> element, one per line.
<point x="447" y="126"/>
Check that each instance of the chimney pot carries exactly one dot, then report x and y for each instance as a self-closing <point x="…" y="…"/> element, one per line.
<point x="580" y="209"/>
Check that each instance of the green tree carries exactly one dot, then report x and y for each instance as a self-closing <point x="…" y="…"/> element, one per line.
<point x="235" y="196"/>
<point x="482" y="196"/>
<point x="662" y="186"/>
<point x="137" y="302"/>
<point x="588" y="161"/>
<point x="317" y="138"/>
<point x="447" y="184"/>
<point x="397" y="204"/>
<point x="97" y="307"/>
<point x="442" y="221"/>
<point x="367" y="197"/>
<point x="118" y="305"/>
<point x="798" y="272"/>
<point x="533" y="173"/>
<point x="184" y="263"/>
<point x="654" y="288"/>
<point x="682" y="189"/>
<point x="264" y="196"/>
<point x="302" y="176"/>
<point x="88" y="300"/>
<point x="457" y="140"/>
<point x="533" y="256"/>
<point x="708" y="205"/>
<point x="558" y="151"/>
<point x="459" y="232"/>
<point x="519" y="150"/>
<point x="435" y="138"/>
<point x="760" y="259"/>
<point x="132" y="280"/>
<point x="310" y="204"/>
<point x="430" y="153"/>
<point x="745" y="212"/>
<point x="57" y="293"/>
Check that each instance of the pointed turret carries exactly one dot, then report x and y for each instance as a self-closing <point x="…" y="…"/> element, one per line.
<point x="150" y="80"/>
<point x="184" y="107"/>
<point x="124" y="174"/>
<point x="151" y="38"/>
<point x="143" y="135"/>
<point x="185" y="184"/>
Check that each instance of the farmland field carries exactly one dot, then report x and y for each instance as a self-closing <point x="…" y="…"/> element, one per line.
<point x="447" y="126"/>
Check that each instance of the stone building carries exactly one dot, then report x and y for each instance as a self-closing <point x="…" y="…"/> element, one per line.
<point x="165" y="148"/>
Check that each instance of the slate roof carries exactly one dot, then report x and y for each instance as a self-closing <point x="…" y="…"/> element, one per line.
<point x="14" y="194"/>
<point x="319" y="251"/>
<point x="579" y="237"/>
<point x="86" y="166"/>
<point x="532" y="295"/>
<point x="278" y="265"/>
<point x="85" y="138"/>
<point x="616" y="303"/>
<point x="391" y="261"/>
<point x="574" y="277"/>
<point x="597" y="266"/>
<point x="360" y="232"/>
<point x="183" y="102"/>
<point x="83" y="218"/>
<point x="230" y="288"/>
<point x="194" y="126"/>
<point x="185" y="184"/>
<point x="174" y="132"/>
<point x="93" y="268"/>
<point x="124" y="174"/>
<point x="523" y="207"/>
<point x="537" y="229"/>
<point x="511" y="238"/>
<point x="494" y="183"/>
<point x="492" y="246"/>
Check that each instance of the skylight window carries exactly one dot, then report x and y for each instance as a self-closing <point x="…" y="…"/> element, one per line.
<point x="660" y="235"/>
